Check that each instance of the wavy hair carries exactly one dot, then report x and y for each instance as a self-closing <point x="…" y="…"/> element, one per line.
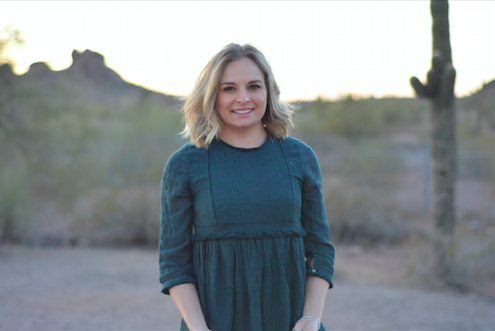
<point x="200" y="110"/>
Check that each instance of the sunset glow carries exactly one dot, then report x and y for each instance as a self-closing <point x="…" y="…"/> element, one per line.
<point x="316" y="48"/>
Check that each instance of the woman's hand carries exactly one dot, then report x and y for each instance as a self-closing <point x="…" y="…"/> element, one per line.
<point x="306" y="325"/>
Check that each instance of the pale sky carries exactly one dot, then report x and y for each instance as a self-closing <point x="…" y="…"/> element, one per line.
<point x="327" y="48"/>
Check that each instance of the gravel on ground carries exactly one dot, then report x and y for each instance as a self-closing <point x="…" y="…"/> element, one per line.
<point x="118" y="289"/>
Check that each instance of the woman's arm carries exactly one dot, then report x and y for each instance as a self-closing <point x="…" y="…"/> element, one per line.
<point x="320" y="253"/>
<point x="175" y="249"/>
<point x="314" y="296"/>
<point x="186" y="299"/>
<point x="176" y="224"/>
<point x="314" y="300"/>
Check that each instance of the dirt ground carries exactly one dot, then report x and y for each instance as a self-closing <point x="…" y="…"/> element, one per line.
<point x="111" y="289"/>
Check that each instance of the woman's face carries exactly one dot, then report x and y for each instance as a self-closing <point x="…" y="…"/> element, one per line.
<point x="242" y="96"/>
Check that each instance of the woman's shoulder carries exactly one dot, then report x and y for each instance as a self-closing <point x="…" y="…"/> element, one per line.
<point x="182" y="156"/>
<point x="294" y="141"/>
<point x="303" y="149"/>
<point x="186" y="150"/>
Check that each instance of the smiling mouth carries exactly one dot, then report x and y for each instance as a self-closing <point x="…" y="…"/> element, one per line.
<point x="244" y="111"/>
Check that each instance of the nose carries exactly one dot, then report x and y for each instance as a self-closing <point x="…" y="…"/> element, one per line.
<point x="243" y="96"/>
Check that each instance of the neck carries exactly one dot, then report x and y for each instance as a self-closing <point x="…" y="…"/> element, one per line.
<point x="244" y="139"/>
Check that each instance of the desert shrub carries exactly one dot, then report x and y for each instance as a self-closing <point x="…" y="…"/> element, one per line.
<point x="339" y="118"/>
<point x="13" y="195"/>
<point x="80" y="142"/>
<point x="473" y="254"/>
<point x="475" y="249"/>
<point x="120" y="217"/>
<point x="358" y="118"/>
<point x="137" y="154"/>
<point x="356" y="218"/>
<point x="359" y="195"/>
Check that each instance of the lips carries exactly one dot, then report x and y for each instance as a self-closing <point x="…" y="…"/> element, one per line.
<point x="243" y="111"/>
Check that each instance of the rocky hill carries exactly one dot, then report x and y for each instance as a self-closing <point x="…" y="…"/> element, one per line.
<point x="87" y="78"/>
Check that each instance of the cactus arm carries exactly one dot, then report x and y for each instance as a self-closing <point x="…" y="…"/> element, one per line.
<point x="418" y="87"/>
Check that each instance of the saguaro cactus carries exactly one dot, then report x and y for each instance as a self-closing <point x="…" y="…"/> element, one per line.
<point x="439" y="89"/>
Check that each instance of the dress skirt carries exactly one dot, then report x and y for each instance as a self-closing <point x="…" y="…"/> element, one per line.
<point x="250" y="284"/>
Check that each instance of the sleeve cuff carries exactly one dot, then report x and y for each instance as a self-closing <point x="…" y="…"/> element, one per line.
<point x="322" y="274"/>
<point x="183" y="280"/>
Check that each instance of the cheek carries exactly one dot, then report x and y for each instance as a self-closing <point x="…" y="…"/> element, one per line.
<point x="223" y="101"/>
<point x="220" y="104"/>
<point x="262" y="100"/>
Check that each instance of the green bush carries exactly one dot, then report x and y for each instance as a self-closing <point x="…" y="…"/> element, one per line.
<point x="120" y="217"/>
<point x="359" y="195"/>
<point x="13" y="196"/>
<point x="359" y="218"/>
<point x="359" y="118"/>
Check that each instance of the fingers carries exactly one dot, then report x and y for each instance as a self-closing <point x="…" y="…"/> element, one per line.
<point x="305" y="325"/>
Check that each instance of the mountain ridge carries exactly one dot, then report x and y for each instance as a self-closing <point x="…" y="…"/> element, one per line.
<point x="88" y="76"/>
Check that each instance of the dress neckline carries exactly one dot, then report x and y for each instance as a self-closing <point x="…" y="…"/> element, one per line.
<point x="241" y="149"/>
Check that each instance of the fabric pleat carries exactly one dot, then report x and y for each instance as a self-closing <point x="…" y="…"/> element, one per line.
<point x="251" y="284"/>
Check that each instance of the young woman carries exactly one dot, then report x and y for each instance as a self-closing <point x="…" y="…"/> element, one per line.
<point x="244" y="235"/>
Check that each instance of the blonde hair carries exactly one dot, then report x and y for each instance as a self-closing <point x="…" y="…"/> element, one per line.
<point x="202" y="121"/>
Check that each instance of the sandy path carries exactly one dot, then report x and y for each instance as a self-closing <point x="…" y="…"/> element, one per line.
<point x="106" y="289"/>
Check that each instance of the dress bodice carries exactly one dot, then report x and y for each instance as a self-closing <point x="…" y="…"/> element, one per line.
<point x="244" y="193"/>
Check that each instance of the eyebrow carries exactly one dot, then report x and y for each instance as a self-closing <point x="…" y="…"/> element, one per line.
<point x="250" y="82"/>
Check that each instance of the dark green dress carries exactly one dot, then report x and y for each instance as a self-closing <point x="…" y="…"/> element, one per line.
<point x="246" y="226"/>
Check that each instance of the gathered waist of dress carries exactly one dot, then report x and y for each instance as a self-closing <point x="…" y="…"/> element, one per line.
<point x="245" y="231"/>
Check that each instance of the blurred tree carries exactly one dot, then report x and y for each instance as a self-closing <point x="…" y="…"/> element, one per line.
<point x="10" y="119"/>
<point x="9" y="37"/>
<point x="11" y="171"/>
<point x="439" y="89"/>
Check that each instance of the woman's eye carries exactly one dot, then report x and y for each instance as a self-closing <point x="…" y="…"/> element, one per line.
<point x="228" y="89"/>
<point x="255" y="87"/>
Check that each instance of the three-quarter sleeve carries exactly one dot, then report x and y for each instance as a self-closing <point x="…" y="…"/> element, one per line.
<point x="320" y="253"/>
<point x="175" y="247"/>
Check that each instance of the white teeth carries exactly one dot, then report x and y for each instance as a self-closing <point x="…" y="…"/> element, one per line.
<point x="242" y="111"/>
